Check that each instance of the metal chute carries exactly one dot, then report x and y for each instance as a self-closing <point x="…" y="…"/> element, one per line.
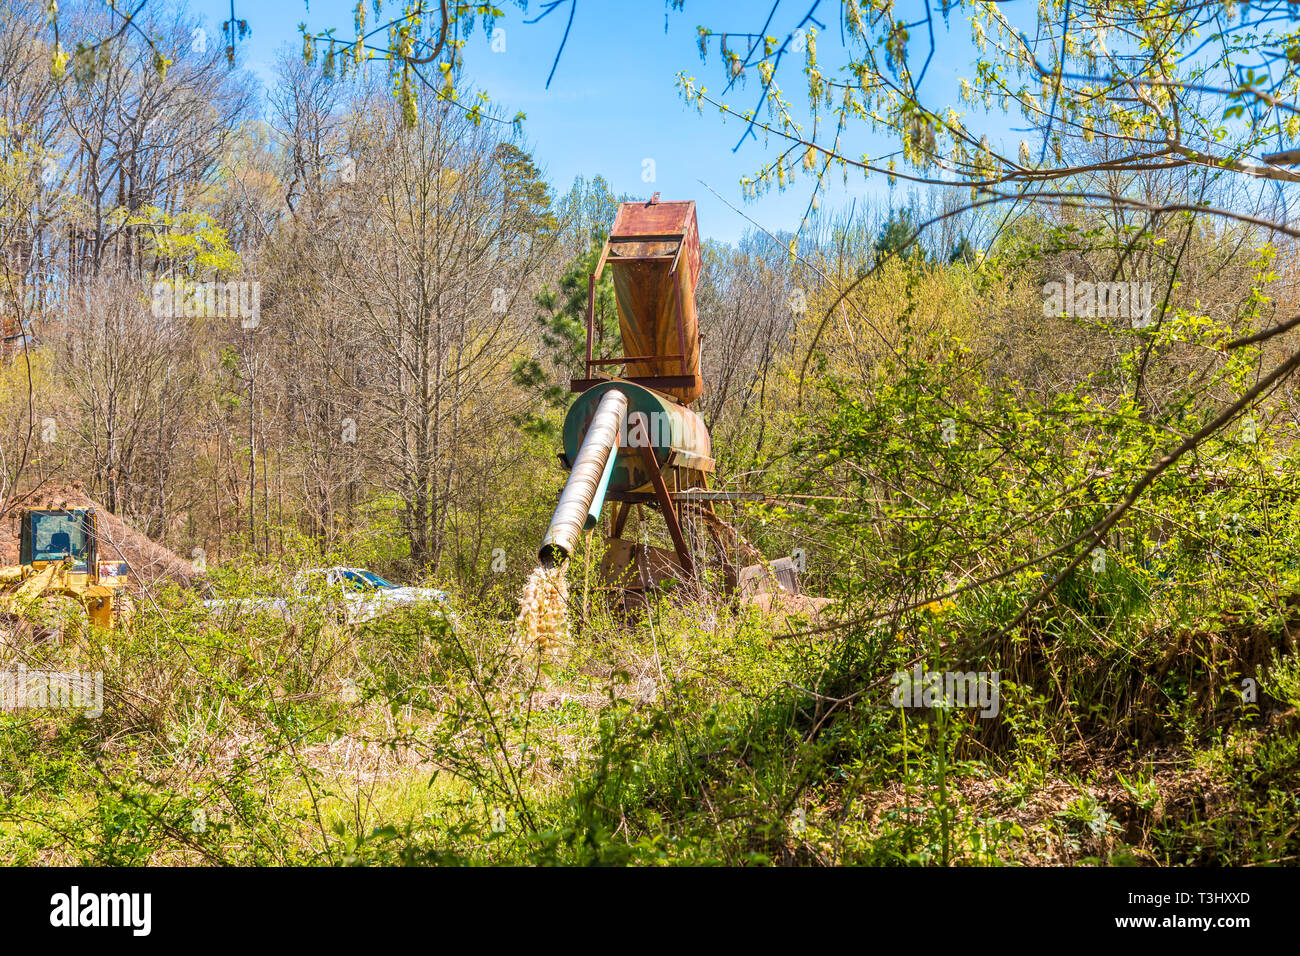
<point x="584" y="493"/>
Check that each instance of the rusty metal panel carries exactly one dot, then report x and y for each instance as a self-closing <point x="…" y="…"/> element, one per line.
<point x="654" y="257"/>
<point x="662" y="219"/>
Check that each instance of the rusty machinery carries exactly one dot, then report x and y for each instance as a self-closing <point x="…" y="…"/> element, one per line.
<point x="632" y="440"/>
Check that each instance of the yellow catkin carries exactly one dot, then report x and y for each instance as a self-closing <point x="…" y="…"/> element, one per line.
<point x="544" y="608"/>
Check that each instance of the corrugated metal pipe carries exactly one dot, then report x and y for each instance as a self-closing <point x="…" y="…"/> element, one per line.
<point x="588" y="480"/>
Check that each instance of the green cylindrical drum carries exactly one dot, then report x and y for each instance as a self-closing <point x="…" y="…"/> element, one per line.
<point x="671" y="429"/>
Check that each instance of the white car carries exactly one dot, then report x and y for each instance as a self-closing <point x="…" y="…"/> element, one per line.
<point x="363" y="596"/>
<point x="367" y="594"/>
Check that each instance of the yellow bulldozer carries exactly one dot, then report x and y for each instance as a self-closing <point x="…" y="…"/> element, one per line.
<point x="59" y="582"/>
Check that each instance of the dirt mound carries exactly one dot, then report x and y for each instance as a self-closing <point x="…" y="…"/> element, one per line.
<point x="149" y="561"/>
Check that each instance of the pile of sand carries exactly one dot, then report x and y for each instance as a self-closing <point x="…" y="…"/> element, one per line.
<point x="149" y="561"/>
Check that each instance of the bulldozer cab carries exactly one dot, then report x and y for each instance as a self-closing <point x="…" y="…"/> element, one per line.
<point x="59" y="582"/>
<point x="47" y="537"/>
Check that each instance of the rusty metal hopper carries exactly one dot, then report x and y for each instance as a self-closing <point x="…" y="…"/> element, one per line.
<point x="653" y="253"/>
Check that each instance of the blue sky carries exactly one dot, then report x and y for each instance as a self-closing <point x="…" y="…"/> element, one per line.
<point x="614" y="102"/>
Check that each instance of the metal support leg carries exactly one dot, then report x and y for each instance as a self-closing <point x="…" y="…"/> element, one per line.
<point x="666" y="506"/>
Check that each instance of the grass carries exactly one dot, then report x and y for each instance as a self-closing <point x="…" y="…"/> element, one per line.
<point x="698" y="733"/>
